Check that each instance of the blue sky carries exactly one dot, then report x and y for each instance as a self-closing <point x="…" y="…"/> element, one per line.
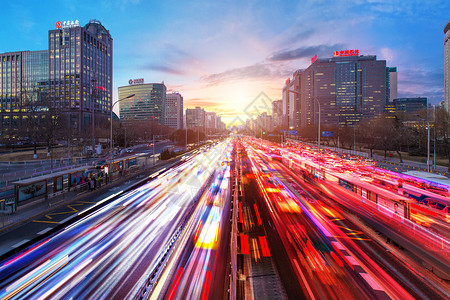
<point x="222" y="54"/>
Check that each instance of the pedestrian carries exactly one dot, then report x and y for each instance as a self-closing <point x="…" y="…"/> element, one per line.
<point x="100" y="180"/>
<point x="95" y="182"/>
<point x="106" y="178"/>
<point x="91" y="184"/>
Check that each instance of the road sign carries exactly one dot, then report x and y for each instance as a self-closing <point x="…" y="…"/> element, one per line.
<point x="327" y="133"/>
<point x="292" y="132"/>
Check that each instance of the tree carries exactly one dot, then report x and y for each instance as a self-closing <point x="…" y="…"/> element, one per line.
<point x="442" y="127"/>
<point x="179" y="136"/>
<point x="30" y="123"/>
<point x="368" y="134"/>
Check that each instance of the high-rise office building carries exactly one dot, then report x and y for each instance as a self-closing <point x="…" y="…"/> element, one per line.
<point x="80" y="66"/>
<point x="210" y="120"/>
<point x="148" y="102"/>
<point x="195" y="117"/>
<point x="410" y="105"/>
<point x="447" y="66"/>
<point x="291" y="110"/>
<point x="391" y="87"/>
<point x="346" y="89"/>
<point x="23" y="82"/>
<point x="174" y="110"/>
<point x="277" y="113"/>
<point x="75" y="74"/>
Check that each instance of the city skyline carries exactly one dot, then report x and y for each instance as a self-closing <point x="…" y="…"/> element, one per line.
<point x="221" y="56"/>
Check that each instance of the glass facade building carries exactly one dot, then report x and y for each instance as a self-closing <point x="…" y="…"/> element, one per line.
<point x="80" y="78"/>
<point x="348" y="89"/>
<point x="410" y="105"/>
<point x="23" y="80"/>
<point x="74" y="76"/>
<point x="195" y="117"/>
<point x="148" y="102"/>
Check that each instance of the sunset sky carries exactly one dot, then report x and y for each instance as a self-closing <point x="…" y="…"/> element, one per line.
<point x="222" y="54"/>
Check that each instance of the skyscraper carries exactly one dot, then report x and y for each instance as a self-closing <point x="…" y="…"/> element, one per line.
<point x="210" y="120"/>
<point x="80" y="67"/>
<point x="277" y="113"/>
<point x="195" y="117"/>
<point x="391" y="87"/>
<point x="447" y="66"/>
<point x="148" y="102"/>
<point x="174" y="110"/>
<point x="74" y="76"/>
<point x="23" y="80"/>
<point x="291" y="101"/>
<point x="346" y="88"/>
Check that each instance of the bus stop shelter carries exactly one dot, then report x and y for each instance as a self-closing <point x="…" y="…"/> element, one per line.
<point x="30" y="189"/>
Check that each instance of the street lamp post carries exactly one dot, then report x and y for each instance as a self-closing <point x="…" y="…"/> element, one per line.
<point x="428" y="141"/>
<point x="428" y="147"/>
<point x="111" y="121"/>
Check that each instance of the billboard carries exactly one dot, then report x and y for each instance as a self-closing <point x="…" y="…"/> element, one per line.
<point x="32" y="190"/>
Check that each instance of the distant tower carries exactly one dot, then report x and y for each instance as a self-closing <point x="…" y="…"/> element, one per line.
<point x="447" y="66"/>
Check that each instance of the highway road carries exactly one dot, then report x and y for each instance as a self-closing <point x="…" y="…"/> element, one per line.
<point x="201" y="268"/>
<point x="321" y="227"/>
<point x="107" y="253"/>
<point x="331" y="255"/>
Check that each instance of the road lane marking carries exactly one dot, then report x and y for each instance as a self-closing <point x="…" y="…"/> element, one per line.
<point x="338" y="245"/>
<point x="373" y="284"/>
<point x="45" y="230"/>
<point x="19" y="244"/>
<point x="352" y="260"/>
<point x="67" y="219"/>
<point x="50" y="222"/>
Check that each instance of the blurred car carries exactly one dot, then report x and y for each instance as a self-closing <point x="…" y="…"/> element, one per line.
<point x="101" y="164"/>
<point x="129" y="150"/>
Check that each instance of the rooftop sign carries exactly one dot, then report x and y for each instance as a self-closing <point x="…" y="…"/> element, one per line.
<point x="346" y="53"/>
<point x="314" y="58"/>
<point x="67" y="24"/>
<point x="136" y="81"/>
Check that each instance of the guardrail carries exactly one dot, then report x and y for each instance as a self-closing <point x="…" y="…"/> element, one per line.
<point x="233" y="240"/>
<point x="153" y="277"/>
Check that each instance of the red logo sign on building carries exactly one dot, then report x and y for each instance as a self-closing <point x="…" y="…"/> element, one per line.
<point x="346" y="53"/>
<point x="58" y="25"/>
<point x="314" y="58"/>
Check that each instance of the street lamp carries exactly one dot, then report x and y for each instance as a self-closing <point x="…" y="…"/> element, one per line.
<point x="428" y="141"/>
<point x="111" y="136"/>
